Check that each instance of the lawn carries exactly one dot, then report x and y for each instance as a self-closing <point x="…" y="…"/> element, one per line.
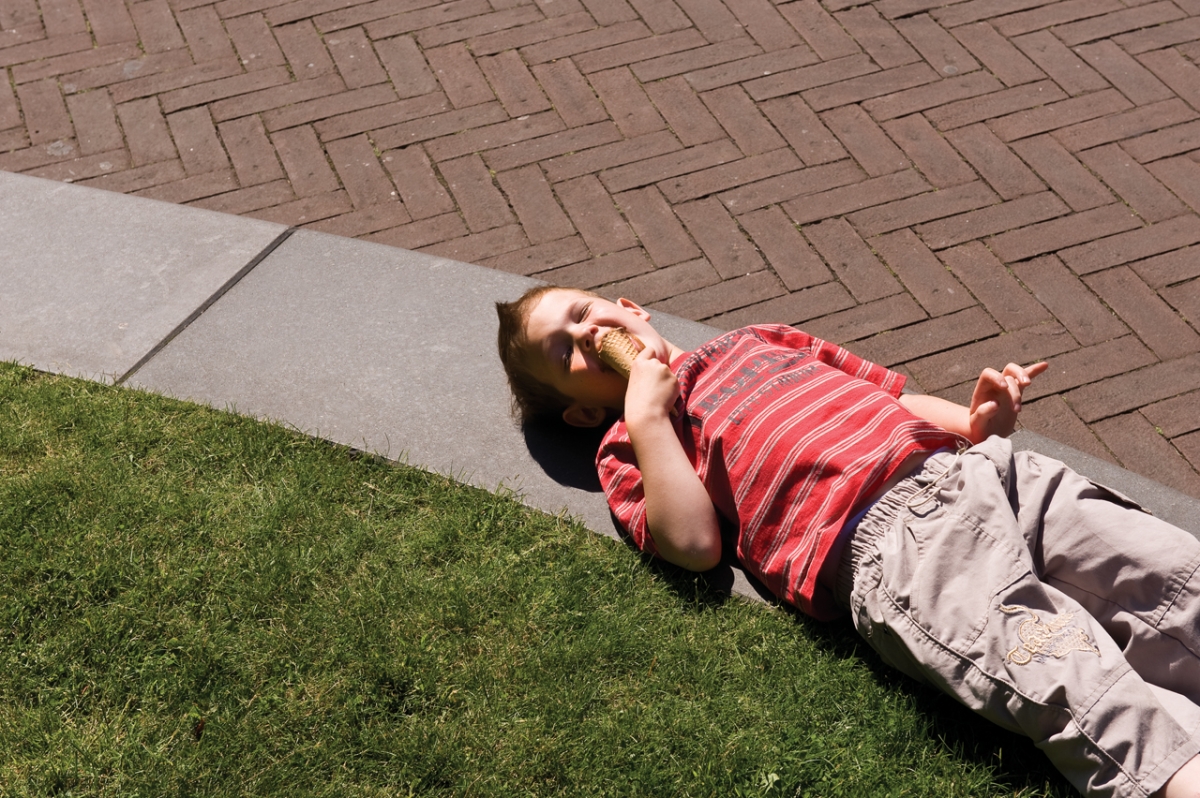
<point x="195" y="603"/>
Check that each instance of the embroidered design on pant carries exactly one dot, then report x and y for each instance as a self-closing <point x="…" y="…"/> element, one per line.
<point x="1039" y="638"/>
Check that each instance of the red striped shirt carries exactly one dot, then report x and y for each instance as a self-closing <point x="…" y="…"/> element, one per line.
<point x="788" y="434"/>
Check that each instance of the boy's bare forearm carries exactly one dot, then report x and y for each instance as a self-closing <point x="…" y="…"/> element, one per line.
<point x="946" y="414"/>
<point x="679" y="512"/>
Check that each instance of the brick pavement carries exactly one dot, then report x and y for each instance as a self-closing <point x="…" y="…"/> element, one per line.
<point x="938" y="185"/>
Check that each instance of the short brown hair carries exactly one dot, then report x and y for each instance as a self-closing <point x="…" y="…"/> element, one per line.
<point x="531" y="398"/>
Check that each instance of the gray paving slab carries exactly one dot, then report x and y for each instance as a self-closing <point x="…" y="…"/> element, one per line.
<point x="92" y="281"/>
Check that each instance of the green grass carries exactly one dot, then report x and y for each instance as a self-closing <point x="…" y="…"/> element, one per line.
<point x="194" y="603"/>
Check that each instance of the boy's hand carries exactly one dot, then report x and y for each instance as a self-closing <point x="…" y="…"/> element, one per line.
<point x="653" y="389"/>
<point x="997" y="399"/>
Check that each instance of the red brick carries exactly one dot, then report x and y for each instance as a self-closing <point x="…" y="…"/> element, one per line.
<point x="306" y="209"/>
<point x="146" y="132"/>
<point x="996" y="164"/>
<point x="74" y="62"/>
<point x="540" y="257"/>
<point x="993" y="285"/>
<point x="683" y="111"/>
<point x="46" y="117"/>
<point x="196" y="139"/>
<point x="662" y="283"/>
<point x="867" y="319"/>
<point x="411" y="76"/>
<point x="1177" y="72"/>
<point x="692" y="60"/>
<point x="13" y="139"/>
<point x="1151" y="319"/>
<point x="416" y="235"/>
<point x="531" y="33"/>
<point x="730" y="175"/>
<point x="365" y="221"/>
<point x="1175" y="416"/>
<point x="255" y="44"/>
<point x="447" y="22"/>
<point x="663" y="167"/>
<point x="477" y="246"/>
<point x="595" y="216"/>
<point x="804" y="130"/>
<point x="193" y="95"/>
<point x="802" y="182"/>
<point x="364" y="179"/>
<point x="1077" y="228"/>
<point x="797" y="80"/>
<point x="332" y="16"/>
<point x="1115" y="127"/>
<point x="1069" y="179"/>
<point x="964" y="364"/>
<point x="461" y="79"/>
<point x="156" y="26"/>
<point x="973" y="225"/>
<point x="610" y="12"/>
<point x="892" y="9"/>
<point x="1160" y="144"/>
<point x="235" y="8"/>
<point x="1064" y="67"/>
<point x="868" y="86"/>
<point x="1132" y="183"/>
<point x="481" y="203"/>
<point x="1091" y="363"/>
<point x="1159" y="37"/>
<point x="289" y="105"/>
<point x="46" y="48"/>
<point x="535" y="205"/>
<point x="465" y="29"/>
<point x="246" y="200"/>
<point x="1049" y="14"/>
<point x="205" y="35"/>
<point x="304" y="161"/>
<point x="595" y="272"/>
<point x="662" y="16"/>
<point x="515" y="87"/>
<point x="1117" y="22"/>
<point x="1057" y="115"/>
<point x="657" y="227"/>
<point x="383" y="119"/>
<point x="1071" y="302"/>
<point x="822" y="32"/>
<point x="843" y="200"/>
<point x="922" y="273"/>
<point x="1181" y="175"/>
<point x="713" y="19"/>
<point x="157" y="73"/>
<point x="1127" y="75"/>
<point x="603" y="40"/>
<point x="95" y="121"/>
<point x="745" y="123"/>
<point x="1185" y="298"/>
<point x="867" y="143"/>
<point x="929" y="151"/>
<point x="877" y="36"/>
<point x="539" y="149"/>
<point x="61" y="18"/>
<point x="627" y="104"/>
<point x="491" y="136"/>
<point x="250" y="151"/>
<point x="998" y="54"/>
<point x="1141" y="449"/>
<point x="419" y="187"/>
<point x="606" y="156"/>
<point x="355" y="58"/>
<point x="1137" y="244"/>
<point x="787" y="253"/>
<point x="131" y="180"/>
<point x="192" y="188"/>
<point x="936" y="46"/>
<point x="29" y="158"/>
<point x="750" y="67"/>
<point x="924" y="208"/>
<point x="1173" y="267"/>
<point x="931" y="95"/>
<point x="109" y="22"/>
<point x="723" y="297"/>
<point x="764" y="24"/>
<point x="720" y="238"/>
<point x="795" y="308"/>
<point x="1052" y="418"/>
<point x="83" y="168"/>
<point x="420" y="129"/>
<point x="925" y="338"/>
<point x="966" y="112"/>
<point x="570" y="93"/>
<point x="1189" y="447"/>
<point x="855" y="265"/>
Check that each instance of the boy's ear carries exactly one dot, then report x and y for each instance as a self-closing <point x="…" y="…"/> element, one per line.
<point x="634" y="308"/>
<point x="578" y="415"/>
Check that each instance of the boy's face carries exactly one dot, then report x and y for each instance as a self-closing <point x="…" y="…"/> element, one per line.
<point x="564" y="331"/>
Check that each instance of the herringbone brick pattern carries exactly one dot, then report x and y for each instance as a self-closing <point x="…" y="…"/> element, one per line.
<point x="939" y="185"/>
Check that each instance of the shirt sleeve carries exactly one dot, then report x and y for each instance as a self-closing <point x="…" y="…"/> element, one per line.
<point x="621" y="479"/>
<point x="833" y="355"/>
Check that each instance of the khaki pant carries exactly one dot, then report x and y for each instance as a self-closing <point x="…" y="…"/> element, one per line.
<point x="1047" y="604"/>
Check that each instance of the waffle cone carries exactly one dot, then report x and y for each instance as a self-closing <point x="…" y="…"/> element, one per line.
<point x="617" y="350"/>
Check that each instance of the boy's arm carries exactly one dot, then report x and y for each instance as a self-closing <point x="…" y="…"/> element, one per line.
<point x="994" y="404"/>
<point x="679" y="512"/>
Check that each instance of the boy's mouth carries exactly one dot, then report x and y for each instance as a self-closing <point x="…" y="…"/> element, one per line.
<point x="617" y="350"/>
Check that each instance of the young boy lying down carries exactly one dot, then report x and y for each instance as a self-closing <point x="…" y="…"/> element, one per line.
<point x="1048" y="604"/>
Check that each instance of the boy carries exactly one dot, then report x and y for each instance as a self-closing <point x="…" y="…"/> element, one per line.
<point x="1044" y="602"/>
